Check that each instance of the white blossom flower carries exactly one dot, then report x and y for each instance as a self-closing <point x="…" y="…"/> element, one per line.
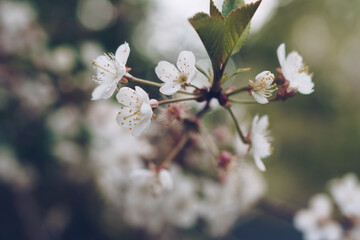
<point x="159" y="182"/>
<point x="260" y="140"/>
<point x="316" y="222"/>
<point x="346" y="192"/>
<point x="262" y="88"/>
<point x="136" y="111"/>
<point x="176" y="78"/>
<point x="294" y="71"/>
<point x="110" y="69"/>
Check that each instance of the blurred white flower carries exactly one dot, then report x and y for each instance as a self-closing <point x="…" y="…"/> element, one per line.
<point x="176" y="78"/>
<point x="346" y="192"/>
<point x="159" y="182"/>
<point x="61" y="59"/>
<point x="223" y="203"/>
<point x="136" y="111"/>
<point x="262" y="88"/>
<point x="315" y="222"/>
<point x="260" y="140"/>
<point x="294" y="71"/>
<point x="13" y="172"/>
<point x="110" y="69"/>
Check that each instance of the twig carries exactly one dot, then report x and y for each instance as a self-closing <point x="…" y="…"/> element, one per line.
<point x="176" y="150"/>
<point x="237" y="126"/>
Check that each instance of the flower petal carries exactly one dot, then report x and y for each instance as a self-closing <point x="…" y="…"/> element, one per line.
<point x="166" y="179"/>
<point x="142" y="94"/>
<point x="259" y="98"/>
<point x="281" y="54"/>
<point x="141" y="127"/>
<point x="186" y="62"/>
<point x="166" y="71"/>
<point x="122" y="53"/>
<point x="259" y="164"/>
<point x="103" y="91"/>
<point x="128" y="97"/>
<point x="105" y="68"/>
<point x="170" y="88"/>
<point x="305" y="84"/>
<point x="127" y="117"/>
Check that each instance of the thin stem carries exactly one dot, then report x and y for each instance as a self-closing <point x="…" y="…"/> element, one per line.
<point x="203" y="72"/>
<point x="176" y="150"/>
<point x="204" y="110"/>
<point x="150" y="83"/>
<point x="243" y="101"/>
<point x="238" y="90"/>
<point x="167" y="101"/>
<point x="237" y="126"/>
<point x="194" y="87"/>
<point x="142" y="81"/>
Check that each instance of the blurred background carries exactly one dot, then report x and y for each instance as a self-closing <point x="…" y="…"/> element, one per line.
<point x="51" y="185"/>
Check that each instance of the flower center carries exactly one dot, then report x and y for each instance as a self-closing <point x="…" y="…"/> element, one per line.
<point x="182" y="79"/>
<point x="263" y="87"/>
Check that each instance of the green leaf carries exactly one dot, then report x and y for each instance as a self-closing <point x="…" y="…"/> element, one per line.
<point x="215" y="13"/>
<point x="223" y="38"/>
<point x="230" y="5"/>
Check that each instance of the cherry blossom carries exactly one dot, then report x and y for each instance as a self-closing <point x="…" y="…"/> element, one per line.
<point x="176" y="78"/>
<point x="262" y="87"/>
<point x="136" y="111"/>
<point x="294" y="71"/>
<point x="260" y="140"/>
<point x="110" y="69"/>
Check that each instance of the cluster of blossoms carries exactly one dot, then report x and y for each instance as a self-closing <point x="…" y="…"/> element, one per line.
<point x="323" y="221"/>
<point x="136" y="108"/>
<point x="151" y="199"/>
<point x="162" y="175"/>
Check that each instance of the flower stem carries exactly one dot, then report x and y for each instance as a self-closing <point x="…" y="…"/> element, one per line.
<point x="243" y="101"/>
<point x="243" y="89"/>
<point x="203" y="72"/>
<point x="150" y="83"/>
<point x="176" y="150"/>
<point x="237" y="126"/>
<point x="167" y="101"/>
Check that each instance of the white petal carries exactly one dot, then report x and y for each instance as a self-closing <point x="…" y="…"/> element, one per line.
<point x="305" y="84"/>
<point x="141" y="127"/>
<point x="128" y="97"/>
<point x="186" y="62"/>
<point x="281" y="54"/>
<point x="122" y="53"/>
<point x="259" y="163"/>
<point x="105" y="68"/>
<point x="166" y="71"/>
<point x="321" y="205"/>
<point x="142" y="94"/>
<point x="146" y="110"/>
<point x="103" y="91"/>
<point x="170" y="88"/>
<point x="263" y="123"/>
<point x="128" y="118"/>
<point x="254" y="122"/>
<point x="259" y="98"/>
<point x="166" y="179"/>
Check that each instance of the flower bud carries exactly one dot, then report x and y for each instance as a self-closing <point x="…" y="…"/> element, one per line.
<point x="224" y="159"/>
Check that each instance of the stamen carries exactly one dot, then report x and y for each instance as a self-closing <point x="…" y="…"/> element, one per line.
<point x="304" y="69"/>
<point x="126" y="117"/>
